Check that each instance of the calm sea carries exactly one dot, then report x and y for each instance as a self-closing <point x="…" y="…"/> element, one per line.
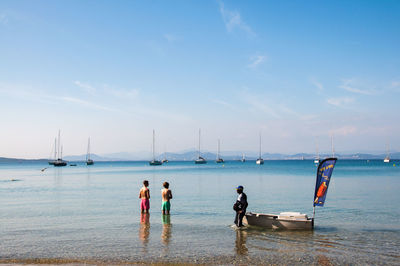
<point x="91" y="213"/>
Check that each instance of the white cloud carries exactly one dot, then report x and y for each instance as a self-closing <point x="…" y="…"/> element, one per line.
<point x="85" y="103"/>
<point x="3" y="18"/>
<point x="256" y="60"/>
<point x="395" y="84"/>
<point x="88" y="88"/>
<point x="345" y="131"/>
<point x="341" y="101"/>
<point x="122" y="93"/>
<point x="259" y="106"/>
<point x="221" y="102"/>
<point x="171" y="37"/>
<point x="233" y="20"/>
<point x="352" y="86"/>
<point x="317" y="84"/>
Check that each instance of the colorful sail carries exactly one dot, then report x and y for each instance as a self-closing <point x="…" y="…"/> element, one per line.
<point x="324" y="173"/>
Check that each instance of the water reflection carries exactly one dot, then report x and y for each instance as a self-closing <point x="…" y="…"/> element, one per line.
<point x="240" y="243"/>
<point x="144" y="230"/>
<point x="166" y="229"/>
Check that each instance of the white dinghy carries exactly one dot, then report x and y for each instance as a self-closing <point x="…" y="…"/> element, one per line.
<point x="296" y="220"/>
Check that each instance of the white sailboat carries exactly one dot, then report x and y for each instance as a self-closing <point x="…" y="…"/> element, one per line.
<point x="387" y="158"/>
<point x="88" y="160"/>
<point x="243" y="158"/>
<point x="154" y="161"/>
<point x="200" y="160"/>
<point x="316" y="160"/>
<point x="260" y="160"/>
<point x="219" y="159"/>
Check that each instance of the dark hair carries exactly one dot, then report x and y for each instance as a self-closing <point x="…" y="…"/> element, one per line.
<point x="145" y="182"/>
<point x="166" y="184"/>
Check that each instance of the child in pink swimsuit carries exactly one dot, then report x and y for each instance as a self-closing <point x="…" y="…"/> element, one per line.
<point x="144" y="195"/>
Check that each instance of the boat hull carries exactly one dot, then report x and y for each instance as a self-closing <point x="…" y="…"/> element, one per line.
<point x="200" y="162"/>
<point x="89" y="162"/>
<point x="155" y="163"/>
<point x="273" y="221"/>
<point x="260" y="161"/>
<point x="58" y="164"/>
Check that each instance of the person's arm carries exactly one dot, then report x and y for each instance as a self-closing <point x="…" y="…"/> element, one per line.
<point x="170" y="194"/>
<point x="140" y="194"/>
<point x="148" y="193"/>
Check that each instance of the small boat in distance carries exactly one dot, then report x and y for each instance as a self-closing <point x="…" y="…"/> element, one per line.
<point x="165" y="160"/>
<point x="387" y="158"/>
<point x="200" y="160"/>
<point x="88" y="160"/>
<point x="316" y="160"/>
<point x="243" y="158"/>
<point x="260" y="160"/>
<point x="154" y="161"/>
<point x="219" y="159"/>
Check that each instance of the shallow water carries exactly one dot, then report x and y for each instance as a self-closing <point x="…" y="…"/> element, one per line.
<point x="91" y="213"/>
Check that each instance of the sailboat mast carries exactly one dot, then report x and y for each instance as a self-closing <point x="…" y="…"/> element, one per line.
<point x="199" y="141"/>
<point x="59" y="140"/>
<point x="316" y="145"/>
<point x="260" y="147"/>
<point x="88" y="150"/>
<point x="333" y="148"/>
<point x="55" y="149"/>
<point x="218" y="149"/>
<point x="154" y="157"/>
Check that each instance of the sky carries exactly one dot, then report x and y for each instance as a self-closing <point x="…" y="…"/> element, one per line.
<point x="298" y="72"/>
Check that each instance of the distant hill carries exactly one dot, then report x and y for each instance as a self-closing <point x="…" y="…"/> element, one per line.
<point x="191" y="155"/>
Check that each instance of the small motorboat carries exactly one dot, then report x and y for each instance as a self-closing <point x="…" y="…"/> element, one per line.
<point x="296" y="220"/>
<point x="284" y="220"/>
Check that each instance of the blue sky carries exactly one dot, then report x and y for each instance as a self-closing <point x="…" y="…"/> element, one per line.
<point x="114" y="70"/>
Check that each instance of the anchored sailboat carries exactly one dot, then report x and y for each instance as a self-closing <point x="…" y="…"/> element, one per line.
<point x="260" y="160"/>
<point x="387" y="158"/>
<point x="88" y="160"/>
<point x="243" y="158"/>
<point x="59" y="161"/>
<point x="316" y="160"/>
<point x="219" y="159"/>
<point x="154" y="161"/>
<point x="200" y="160"/>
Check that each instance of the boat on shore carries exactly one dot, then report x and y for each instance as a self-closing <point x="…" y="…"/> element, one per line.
<point x="154" y="161"/>
<point x="200" y="160"/>
<point x="296" y="220"/>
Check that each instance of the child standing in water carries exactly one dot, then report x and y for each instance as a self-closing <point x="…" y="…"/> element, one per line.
<point x="166" y="196"/>
<point x="144" y="194"/>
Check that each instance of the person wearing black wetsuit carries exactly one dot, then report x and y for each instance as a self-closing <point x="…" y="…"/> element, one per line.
<point x="240" y="206"/>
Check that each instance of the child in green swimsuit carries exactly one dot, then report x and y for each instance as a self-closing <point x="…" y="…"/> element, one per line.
<point x="166" y="196"/>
